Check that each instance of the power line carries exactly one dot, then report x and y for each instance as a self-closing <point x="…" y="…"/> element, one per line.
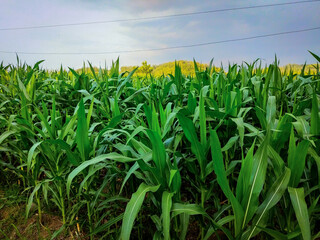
<point x="158" y="17"/>
<point x="167" y="48"/>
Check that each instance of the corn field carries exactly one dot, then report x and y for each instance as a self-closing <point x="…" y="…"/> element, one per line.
<point x="222" y="154"/>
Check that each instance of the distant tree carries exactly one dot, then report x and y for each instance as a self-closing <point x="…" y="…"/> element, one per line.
<point x="145" y="68"/>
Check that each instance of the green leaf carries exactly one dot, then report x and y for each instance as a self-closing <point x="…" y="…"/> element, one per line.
<point x="133" y="208"/>
<point x="272" y="198"/>
<point x="315" y="56"/>
<point x="244" y="175"/>
<point x="53" y="117"/>
<point x="230" y="143"/>
<point x="315" y="119"/>
<point x="220" y="171"/>
<point x="240" y="127"/>
<point x="203" y="127"/>
<point x="155" y="121"/>
<point x="82" y="137"/>
<point x="296" y="161"/>
<point x="316" y="157"/>
<point x="301" y="210"/>
<point x="196" y="147"/>
<point x="45" y="122"/>
<point x="123" y="83"/>
<point x="166" y="204"/>
<point x="275" y="234"/>
<point x="225" y="220"/>
<point x="184" y="223"/>
<point x="30" y="200"/>
<point x="277" y="161"/>
<point x="257" y="178"/>
<point x="5" y="135"/>
<point x="31" y="155"/>
<point x="158" y="152"/>
<point x="271" y="110"/>
<point x="111" y="156"/>
<point x="190" y="209"/>
<point x="90" y="113"/>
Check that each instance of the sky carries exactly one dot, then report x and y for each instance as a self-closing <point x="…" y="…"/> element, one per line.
<point x="157" y="33"/>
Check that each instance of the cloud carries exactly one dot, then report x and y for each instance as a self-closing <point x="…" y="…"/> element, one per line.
<point x="156" y="33"/>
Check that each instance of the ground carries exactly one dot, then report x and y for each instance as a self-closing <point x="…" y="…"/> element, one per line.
<point x="14" y="225"/>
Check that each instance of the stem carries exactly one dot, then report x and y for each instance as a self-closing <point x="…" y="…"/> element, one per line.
<point x="203" y="195"/>
<point x="62" y="205"/>
<point x="89" y="218"/>
<point x="39" y="208"/>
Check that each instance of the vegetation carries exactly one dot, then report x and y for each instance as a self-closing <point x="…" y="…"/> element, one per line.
<point x="231" y="154"/>
<point x="187" y="68"/>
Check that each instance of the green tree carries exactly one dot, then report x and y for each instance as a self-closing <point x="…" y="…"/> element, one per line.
<point x="145" y="68"/>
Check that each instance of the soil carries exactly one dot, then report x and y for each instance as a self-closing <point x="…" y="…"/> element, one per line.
<point x="14" y="225"/>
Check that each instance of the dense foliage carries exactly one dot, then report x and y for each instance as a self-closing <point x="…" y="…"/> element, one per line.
<point x="187" y="68"/>
<point x="224" y="154"/>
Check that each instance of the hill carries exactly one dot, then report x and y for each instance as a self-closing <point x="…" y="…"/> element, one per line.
<point x="187" y="68"/>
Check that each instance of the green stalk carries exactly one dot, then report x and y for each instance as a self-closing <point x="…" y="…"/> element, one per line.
<point x="62" y="205"/>
<point x="89" y="219"/>
<point x="89" y="213"/>
<point x="39" y="207"/>
<point x="203" y="195"/>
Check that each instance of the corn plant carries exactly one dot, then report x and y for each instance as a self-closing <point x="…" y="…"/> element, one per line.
<point x="228" y="153"/>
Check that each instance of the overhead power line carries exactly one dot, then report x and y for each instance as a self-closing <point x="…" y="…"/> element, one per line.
<point x="166" y="48"/>
<point x="157" y="17"/>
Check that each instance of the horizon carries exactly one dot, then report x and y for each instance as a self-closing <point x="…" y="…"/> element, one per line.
<point x="85" y="63"/>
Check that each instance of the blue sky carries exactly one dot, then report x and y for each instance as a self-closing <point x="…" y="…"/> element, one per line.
<point x="157" y="33"/>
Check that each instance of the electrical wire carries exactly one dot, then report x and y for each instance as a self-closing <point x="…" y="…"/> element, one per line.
<point x="165" y="48"/>
<point x="158" y="17"/>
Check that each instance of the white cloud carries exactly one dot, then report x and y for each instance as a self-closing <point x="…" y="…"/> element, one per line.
<point x="154" y="33"/>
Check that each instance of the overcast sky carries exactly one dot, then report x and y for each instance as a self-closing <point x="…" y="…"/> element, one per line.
<point x="168" y="32"/>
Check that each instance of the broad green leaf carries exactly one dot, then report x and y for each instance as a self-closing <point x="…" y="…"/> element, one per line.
<point x="30" y="200"/>
<point x="240" y="127"/>
<point x="220" y="171"/>
<point x="272" y="198"/>
<point x="45" y="122"/>
<point x="133" y="208"/>
<point x="196" y="147"/>
<point x="315" y="119"/>
<point x="82" y="137"/>
<point x="244" y="175"/>
<point x="190" y="209"/>
<point x="6" y="135"/>
<point x="90" y="113"/>
<point x="123" y="83"/>
<point x="166" y="204"/>
<point x="53" y="117"/>
<point x="158" y="152"/>
<point x="31" y="155"/>
<point x="315" y="56"/>
<point x="257" y="178"/>
<point x="273" y="233"/>
<point x="271" y="110"/>
<point x="202" y="118"/>
<point x="301" y="210"/>
<point x="316" y="157"/>
<point x="184" y="223"/>
<point x="230" y="143"/>
<point x="296" y="161"/>
<point x="111" y="156"/>
<point x="155" y="121"/>
<point x="277" y="161"/>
